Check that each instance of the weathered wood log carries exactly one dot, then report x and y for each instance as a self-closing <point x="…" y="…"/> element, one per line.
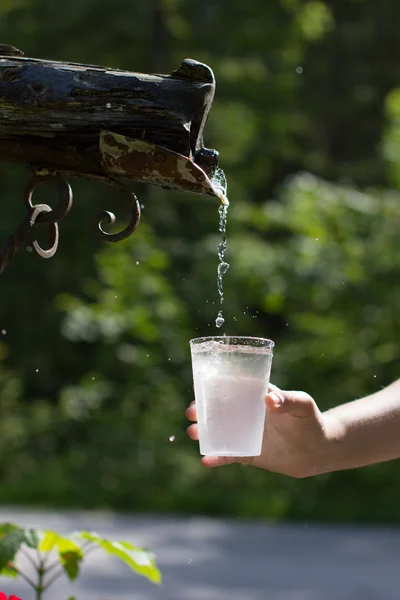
<point x="102" y="123"/>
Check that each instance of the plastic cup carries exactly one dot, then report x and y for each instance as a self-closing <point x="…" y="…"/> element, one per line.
<point x="231" y="377"/>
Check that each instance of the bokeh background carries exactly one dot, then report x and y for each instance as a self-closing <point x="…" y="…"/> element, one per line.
<point x="95" y="369"/>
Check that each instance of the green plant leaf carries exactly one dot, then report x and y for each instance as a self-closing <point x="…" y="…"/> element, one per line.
<point x="11" y="539"/>
<point x="70" y="554"/>
<point x="48" y="541"/>
<point x="70" y="561"/>
<point x="33" y="537"/>
<point x="9" y="571"/>
<point x="138" y="559"/>
<point x="6" y="528"/>
<point x="10" y="543"/>
<point x="53" y="540"/>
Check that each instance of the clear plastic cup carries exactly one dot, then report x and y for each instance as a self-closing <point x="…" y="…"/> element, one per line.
<point x="231" y="377"/>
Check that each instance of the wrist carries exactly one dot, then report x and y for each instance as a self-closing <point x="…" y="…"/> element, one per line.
<point x="332" y="456"/>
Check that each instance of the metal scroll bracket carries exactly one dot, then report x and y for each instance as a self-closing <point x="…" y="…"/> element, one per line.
<point x="40" y="215"/>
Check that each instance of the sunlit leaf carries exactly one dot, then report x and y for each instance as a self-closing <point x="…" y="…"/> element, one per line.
<point x="48" y="541"/>
<point x="69" y="552"/>
<point x="138" y="559"/>
<point x="9" y="571"/>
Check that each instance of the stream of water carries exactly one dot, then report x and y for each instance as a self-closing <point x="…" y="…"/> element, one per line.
<point x="220" y="187"/>
<point x="222" y="266"/>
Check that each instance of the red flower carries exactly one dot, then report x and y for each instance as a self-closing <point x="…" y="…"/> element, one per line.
<point x="4" y="596"/>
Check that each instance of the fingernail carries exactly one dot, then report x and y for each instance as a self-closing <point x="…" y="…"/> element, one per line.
<point x="276" y="400"/>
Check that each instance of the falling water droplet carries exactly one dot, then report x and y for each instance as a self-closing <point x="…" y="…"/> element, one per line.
<point x="219" y="321"/>
<point x="374" y="376"/>
<point x="299" y="70"/>
<point x="3" y="331"/>
<point x="142" y="206"/>
<point x="108" y="105"/>
<point x="137" y="262"/>
<point x="37" y="370"/>
<point x="190" y="561"/>
<point x="29" y="248"/>
<point x="316" y="239"/>
<point x="116" y="297"/>
<point x="93" y="378"/>
<point x="120" y="108"/>
<point x="171" y="438"/>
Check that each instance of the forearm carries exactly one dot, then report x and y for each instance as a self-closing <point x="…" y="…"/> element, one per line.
<point x="363" y="432"/>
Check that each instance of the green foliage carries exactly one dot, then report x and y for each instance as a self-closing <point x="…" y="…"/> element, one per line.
<point x="137" y="559"/>
<point x="94" y="362"/>
<point x="11" y="539"/>
<point x="70" y="551"/>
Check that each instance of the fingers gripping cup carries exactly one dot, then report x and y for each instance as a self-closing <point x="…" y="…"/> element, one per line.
<point x="231" y="377"/>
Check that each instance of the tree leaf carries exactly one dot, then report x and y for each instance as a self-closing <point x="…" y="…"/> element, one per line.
<point x="138" y="559"/>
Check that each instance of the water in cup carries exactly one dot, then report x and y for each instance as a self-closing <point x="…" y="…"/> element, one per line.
<point x="231" y="377"/>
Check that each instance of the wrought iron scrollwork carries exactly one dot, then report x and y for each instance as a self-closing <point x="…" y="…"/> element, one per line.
<point x="38" y="214"/>
<point x="64" y="203"/>
<point x="43" y="214"/>
<point x="110" y="218"/>
<point x="23" y="236"/>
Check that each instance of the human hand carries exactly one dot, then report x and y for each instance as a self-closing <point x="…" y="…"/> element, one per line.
<point x="296" y="438"/>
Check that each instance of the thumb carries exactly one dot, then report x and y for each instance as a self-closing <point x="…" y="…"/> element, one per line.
<point x="296" y="404"/>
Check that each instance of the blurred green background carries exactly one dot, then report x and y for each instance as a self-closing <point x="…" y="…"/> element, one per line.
<point x="95" y="367"/>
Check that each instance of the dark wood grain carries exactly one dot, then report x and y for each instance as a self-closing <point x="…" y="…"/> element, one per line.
<point x="52" y="113"/>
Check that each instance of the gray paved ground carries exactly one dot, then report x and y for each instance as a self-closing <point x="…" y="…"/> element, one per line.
<point x="205" y="559"/>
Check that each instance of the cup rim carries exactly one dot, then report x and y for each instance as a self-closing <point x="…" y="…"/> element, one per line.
<point x="207" y="338"/>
